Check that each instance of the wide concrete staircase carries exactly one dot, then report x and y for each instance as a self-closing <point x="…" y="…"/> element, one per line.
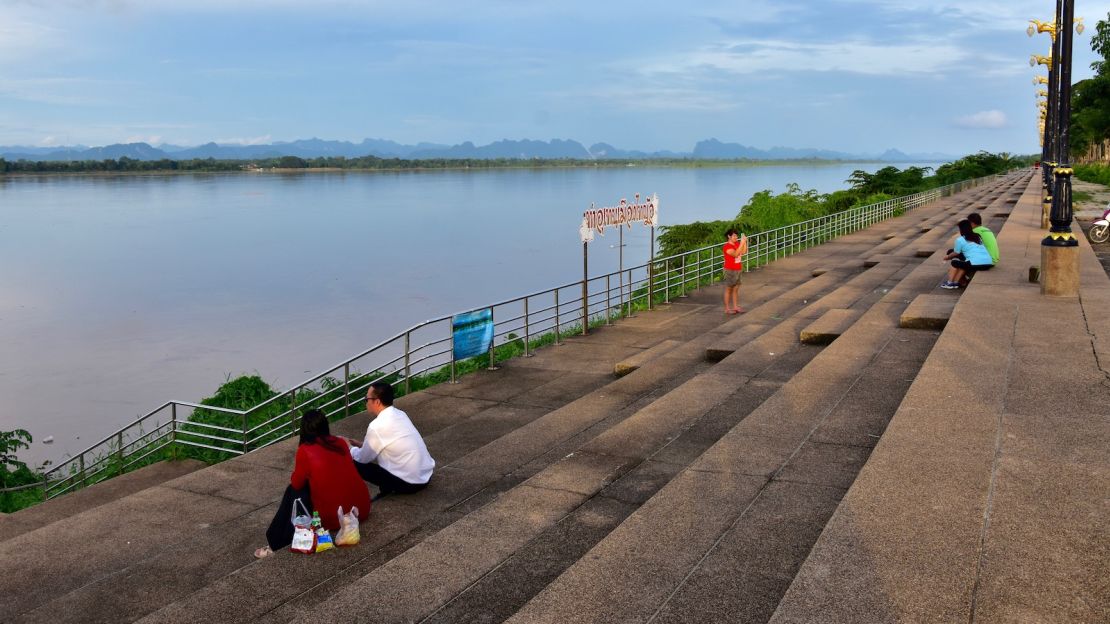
<point x="675" y="466"/>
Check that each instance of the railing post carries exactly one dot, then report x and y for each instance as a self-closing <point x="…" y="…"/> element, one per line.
<point x="243" y="420"/>
<point x="557" y="322"/>
<point x="585" y="292"/>
<point x="630" y="291"/>
<point x="407" y="342"/>
<point x="682" y="289"/>
<point x="173" y="431"/>
<point x="608" y="300"/>
<point x="492" y="341"/>
<point x="119" y="450"/>
<point x="81" y="462"/>
<point x="651" y="271"/>
<point x="527" y="329"/>
<point x="347" y="389"/>
<point x="666" y="281"/>
<point x="292" y="412"/>
<point x="453" y="373"/>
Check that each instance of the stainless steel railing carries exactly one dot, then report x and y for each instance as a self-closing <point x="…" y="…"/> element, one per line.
<point x="423" y="354"/>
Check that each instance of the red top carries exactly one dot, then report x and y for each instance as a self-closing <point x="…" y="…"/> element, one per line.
<point x="732" y="263"/>
<point x="332" y="481"/>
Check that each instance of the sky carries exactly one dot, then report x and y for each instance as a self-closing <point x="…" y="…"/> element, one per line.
<point x="851" y="75"/>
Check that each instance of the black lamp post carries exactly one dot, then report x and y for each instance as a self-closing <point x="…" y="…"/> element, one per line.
<point x="1059" y="234"/>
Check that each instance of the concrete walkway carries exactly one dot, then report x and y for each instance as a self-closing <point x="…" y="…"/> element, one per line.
<point x="988" y="497"/>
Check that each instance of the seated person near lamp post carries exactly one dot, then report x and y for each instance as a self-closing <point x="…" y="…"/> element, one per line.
<point x="968" y="255"/>
<point x="989" y="241"/>
<point x="393" y="455"/>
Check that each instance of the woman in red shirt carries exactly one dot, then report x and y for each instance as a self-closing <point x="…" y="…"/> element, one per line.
<point x="324" y="478"/>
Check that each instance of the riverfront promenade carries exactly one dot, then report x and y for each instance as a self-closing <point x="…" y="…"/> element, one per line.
<point x="945" y="458"/>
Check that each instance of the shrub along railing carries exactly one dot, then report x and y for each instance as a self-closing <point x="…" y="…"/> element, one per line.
<point x="422" y="355"/>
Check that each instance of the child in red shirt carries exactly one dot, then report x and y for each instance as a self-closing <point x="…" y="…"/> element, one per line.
<point x="734" y="250"/>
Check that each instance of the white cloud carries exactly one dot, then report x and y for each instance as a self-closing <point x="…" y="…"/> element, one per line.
<point x="650" y="99"/>
<point x="983" y="119"/>
<point x="751" y="56"/>
<point x="21" y="39"/>
<point x="258" y="140"/>
<point x="150" y="139"/>
<point x="62" y="91"/>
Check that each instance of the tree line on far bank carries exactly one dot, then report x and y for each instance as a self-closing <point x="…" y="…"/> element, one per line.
<point x="373" y="163"/>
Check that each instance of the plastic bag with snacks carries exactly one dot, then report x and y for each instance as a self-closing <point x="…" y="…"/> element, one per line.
<point x="323" y="540"/>
<point x="348" y="528"/>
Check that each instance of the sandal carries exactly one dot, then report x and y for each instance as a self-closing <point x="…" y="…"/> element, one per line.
<point x="262" y="553"/>
<point x="738" y="310"/>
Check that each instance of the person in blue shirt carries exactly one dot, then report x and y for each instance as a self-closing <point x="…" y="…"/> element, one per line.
<point x="967" y="255"/>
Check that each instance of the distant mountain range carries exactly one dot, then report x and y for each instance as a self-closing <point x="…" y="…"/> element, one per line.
<point x="523" y="149"/>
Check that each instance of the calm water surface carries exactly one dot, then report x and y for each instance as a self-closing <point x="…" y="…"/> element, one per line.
<point x="119" y="293"/>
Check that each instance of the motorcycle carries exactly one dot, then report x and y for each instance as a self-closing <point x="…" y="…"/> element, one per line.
<point x="1100" y="229"/>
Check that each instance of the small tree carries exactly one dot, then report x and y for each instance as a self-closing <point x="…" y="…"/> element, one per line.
<point x="12" y="471"/>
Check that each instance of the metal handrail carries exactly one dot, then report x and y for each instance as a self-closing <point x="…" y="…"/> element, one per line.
<point x="633" y="284"/>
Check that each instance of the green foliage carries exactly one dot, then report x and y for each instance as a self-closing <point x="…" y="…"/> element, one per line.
<point x="1100" y="43"/>
<point x="1090" y="99"/>
<point x="14" y="473"/>
<point x="1099" y="174"/>
<point x="765" y="211"/>
<point x="1090" y="113"/>
<point x="890" y="181"/>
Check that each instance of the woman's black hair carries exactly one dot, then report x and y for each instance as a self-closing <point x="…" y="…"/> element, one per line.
<point x="315" y="430"/>
<point x="968" y="232"/>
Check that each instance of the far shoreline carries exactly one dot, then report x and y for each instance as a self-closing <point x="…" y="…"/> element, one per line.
<point x="523" y="165"/>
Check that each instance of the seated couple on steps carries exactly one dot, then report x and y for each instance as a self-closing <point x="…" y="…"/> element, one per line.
<point x="329" y="471"/>
<point x="975" y="249"/>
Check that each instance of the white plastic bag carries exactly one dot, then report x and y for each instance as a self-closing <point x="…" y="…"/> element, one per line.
<point x="348" y="528"/>
<point x="304" y="538"/>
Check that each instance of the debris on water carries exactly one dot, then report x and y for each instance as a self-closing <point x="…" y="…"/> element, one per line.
<point x="48" y="440"/>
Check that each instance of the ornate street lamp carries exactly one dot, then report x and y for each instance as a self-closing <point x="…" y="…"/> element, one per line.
<point x="1059" y="253"/>
<point x="1048" y="145"/>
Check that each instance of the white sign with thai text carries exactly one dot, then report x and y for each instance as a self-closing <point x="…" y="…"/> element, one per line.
<point x="624" y="213"/>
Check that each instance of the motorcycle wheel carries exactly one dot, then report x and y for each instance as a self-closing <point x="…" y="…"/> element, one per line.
<point x="1099" y="233"/>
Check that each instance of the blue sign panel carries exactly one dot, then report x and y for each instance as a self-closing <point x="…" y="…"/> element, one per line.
<point x="473" y="333"/>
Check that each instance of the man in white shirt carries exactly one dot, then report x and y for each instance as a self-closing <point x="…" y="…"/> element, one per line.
<point x="393" y="455"/>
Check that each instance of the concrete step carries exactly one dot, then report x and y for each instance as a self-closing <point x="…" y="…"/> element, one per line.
<point x="625" y="366"/>
<point x="929" y="311"/>
<point x="608" y="459"/>
<point x="474" y="479"/>
<point x="995" y="511"/>
<point x="829" y="326"/>
<point x="43" y="514"/>
<point x="723" y="538"/>
<point x="452" y="560"/>
<point x="478" y="479"/>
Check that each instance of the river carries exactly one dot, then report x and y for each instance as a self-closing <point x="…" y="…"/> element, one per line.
<point x="118" y="293"/>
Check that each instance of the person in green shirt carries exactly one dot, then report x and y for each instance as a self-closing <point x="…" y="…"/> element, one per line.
<point x="988" y="237"/>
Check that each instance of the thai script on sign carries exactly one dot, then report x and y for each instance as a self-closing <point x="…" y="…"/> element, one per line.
<point x="624" y="213"/>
